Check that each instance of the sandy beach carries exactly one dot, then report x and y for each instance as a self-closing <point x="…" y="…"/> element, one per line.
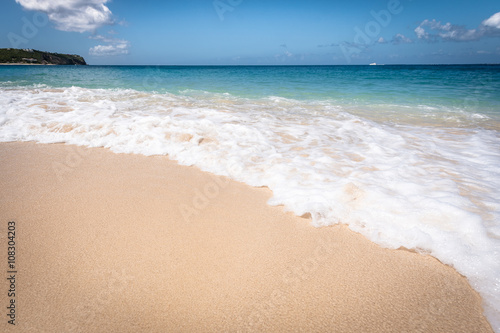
<point x="127" y="243"/>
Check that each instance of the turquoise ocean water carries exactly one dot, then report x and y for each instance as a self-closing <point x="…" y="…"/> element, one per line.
<point x="406" y="155"/>
<point x="471" y="88"/>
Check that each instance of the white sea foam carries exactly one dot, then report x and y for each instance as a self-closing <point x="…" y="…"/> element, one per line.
<point x="431" y="188"/>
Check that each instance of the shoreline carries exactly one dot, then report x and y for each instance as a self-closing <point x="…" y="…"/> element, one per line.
<point x="20" y="64"/>
<point x="120" y="242"/>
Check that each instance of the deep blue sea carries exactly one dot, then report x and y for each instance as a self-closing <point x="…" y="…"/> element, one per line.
<point x="409" y="156"/>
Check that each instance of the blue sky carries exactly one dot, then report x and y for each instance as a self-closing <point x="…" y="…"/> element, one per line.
<point x="256" y="32"/>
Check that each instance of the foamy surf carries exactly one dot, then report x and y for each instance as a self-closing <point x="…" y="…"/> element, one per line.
<point x="430" y="185"/>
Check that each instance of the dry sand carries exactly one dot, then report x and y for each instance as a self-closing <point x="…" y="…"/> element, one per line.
<point x="122" y="243"/>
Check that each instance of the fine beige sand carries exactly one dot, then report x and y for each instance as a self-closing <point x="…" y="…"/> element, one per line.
<point x="124" y="243"/>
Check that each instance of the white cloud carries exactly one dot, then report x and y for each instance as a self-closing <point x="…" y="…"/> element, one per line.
<point x="421" y="34"/>
<point x="458" y="33"/>
<point x="446" y="31"/>
<point x="493" y="21"/>
<point x="381" y="40"/>
<point x="115" y="47"/>
<point x="400" y="39"/>
<point x="72" y="15"/>
<point x="81" y="16"/>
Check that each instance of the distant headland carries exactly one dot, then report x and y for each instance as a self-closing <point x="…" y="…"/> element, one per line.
<point x="35" y="57"/>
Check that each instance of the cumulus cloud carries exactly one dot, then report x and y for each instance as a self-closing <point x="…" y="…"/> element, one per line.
<point x="433" y="31"/>
<point x="400" y="39"/>
<point x="81" y="16"/>
<point x="448" y="31"/>
<point x="493" y="21"/>
<point x="72" y="15"/>
<point x="114" y="47"/>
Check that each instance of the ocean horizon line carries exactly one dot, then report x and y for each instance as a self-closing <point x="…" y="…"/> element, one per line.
<point x="256" y="65"/>
<point x="276" y="65"/>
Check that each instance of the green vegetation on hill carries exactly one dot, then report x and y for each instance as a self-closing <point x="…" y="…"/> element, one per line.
<point x="29" y="56"/>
